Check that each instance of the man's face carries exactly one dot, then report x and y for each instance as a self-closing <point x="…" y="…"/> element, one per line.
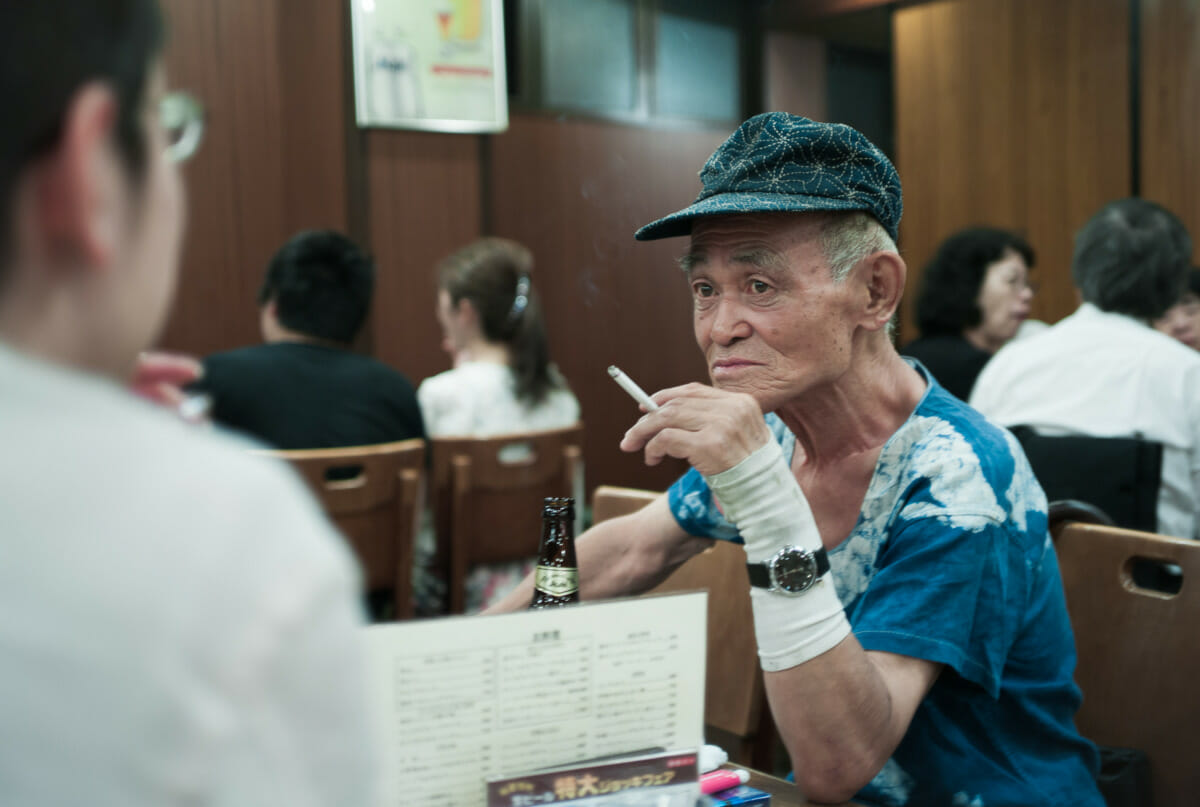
<point x="1182" y="321"/>
<point x="151" y="218"/>
<point x="768" y="315"/>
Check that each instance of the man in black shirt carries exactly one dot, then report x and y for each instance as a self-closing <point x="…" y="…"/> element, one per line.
<point x="305" y="388"/>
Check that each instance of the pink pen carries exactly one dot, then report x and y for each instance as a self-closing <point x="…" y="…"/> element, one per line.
<point x="714" y="781"/>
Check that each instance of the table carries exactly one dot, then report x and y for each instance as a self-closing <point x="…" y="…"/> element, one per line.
<point x="783" y="793"/>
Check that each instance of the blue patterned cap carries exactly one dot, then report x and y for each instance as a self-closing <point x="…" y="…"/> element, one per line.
<point x="781" y="162"/>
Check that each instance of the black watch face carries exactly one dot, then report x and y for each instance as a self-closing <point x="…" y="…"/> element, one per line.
<point x="795" y="570"/>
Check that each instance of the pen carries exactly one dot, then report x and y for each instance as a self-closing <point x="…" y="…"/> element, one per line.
<point x="633" y="389"/>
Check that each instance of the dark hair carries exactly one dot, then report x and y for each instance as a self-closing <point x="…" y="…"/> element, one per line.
<point x="948" y="301"/>
<point x="51" y="48"/>
<point x="495" y="275"/>
<point x="1193" y="281"/>
<point x="321" y="283"/>
<point x="1132" y="258"/>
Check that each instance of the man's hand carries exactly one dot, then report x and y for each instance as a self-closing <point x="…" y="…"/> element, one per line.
<point x="161" y="377"/>
<point x="712" y="429"/>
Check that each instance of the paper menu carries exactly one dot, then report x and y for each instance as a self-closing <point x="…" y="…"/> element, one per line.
<point x="460" y="700"/>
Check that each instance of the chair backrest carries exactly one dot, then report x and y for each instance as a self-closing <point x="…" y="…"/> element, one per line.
<point x="1062" y="512"/>
<point x="1138" y="654"/>
<point x="1120" y="475"/>
<point x="487" y="496"/>
<point x="374" y="494"/>
<point x="734" y="695"/>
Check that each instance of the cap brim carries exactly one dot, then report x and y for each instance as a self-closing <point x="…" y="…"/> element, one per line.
<point x="726" y="204"/>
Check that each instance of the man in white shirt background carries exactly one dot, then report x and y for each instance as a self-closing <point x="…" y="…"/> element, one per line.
<point x="1104" y="371"/>
<point x="178" y="622"/>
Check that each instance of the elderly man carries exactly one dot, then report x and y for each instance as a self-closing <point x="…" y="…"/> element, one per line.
<point x="178" y="622"/>
<point x="1104" y="371"/>
<point x="907" y="602"/>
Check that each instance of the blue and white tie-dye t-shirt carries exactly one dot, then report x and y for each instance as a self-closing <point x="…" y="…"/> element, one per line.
<point x="950" y="561"/>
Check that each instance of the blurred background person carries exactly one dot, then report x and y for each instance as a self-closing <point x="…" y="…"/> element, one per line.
<point x="178" y="621"/>
<point x="1104" y="371"/>
<point x="305" y="387"/>
<point x="502" y="379"/>
<point x="1182" y="320"/>
<point x="974" y="295"/>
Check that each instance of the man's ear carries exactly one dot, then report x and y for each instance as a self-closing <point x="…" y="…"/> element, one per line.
<point x="74" y="189"/>
<point x="883" y="275"/>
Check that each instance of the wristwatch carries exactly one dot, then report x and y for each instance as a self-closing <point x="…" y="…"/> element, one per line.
<point x="791" y="570"/>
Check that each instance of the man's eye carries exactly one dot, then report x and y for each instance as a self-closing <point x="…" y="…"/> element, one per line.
<point x="702" y="290"/>
<point x="759" y="287"/>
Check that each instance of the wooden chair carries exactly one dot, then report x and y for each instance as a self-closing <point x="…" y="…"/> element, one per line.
<point x="1062" y="512"/>
<point x="735" y="713"/>
<point x="374" y="494"/>
<point x="1138" y="652"/>
<point x="487" y="496"/>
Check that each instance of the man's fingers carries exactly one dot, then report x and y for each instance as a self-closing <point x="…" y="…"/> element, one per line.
<point x="690" y="390"/>
<point x="160" y="392"/>
<point x="166" y="368"/>
<point x="703" y="450"/>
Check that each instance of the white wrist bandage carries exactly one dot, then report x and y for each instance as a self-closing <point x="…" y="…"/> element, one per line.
<point x="763" y="500"/>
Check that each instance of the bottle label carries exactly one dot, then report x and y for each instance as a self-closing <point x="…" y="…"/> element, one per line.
<point x="556" y="580"/>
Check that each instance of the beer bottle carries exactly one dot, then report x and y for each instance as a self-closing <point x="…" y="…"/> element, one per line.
<point x="556" y="581"/>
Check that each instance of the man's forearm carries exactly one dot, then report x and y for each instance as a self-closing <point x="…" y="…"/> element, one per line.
<point x="842" y="714"/>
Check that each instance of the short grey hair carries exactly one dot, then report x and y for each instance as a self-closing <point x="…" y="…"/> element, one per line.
<point x="1132" y="258"/>
<point x="847" y="238"/>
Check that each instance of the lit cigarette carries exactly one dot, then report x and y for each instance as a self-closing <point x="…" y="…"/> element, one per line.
<point x="633" y="389"/>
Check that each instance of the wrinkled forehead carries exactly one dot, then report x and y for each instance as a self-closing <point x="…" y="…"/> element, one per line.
<point x="759" y="238"/>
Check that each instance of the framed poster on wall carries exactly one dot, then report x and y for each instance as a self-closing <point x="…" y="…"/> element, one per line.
<point x="436" y="65"/>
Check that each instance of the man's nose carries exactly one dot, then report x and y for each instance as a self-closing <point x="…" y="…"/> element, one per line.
<point x="729" y="323"/>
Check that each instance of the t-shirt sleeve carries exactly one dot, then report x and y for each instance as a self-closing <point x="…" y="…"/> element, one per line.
<point x="695" y="510"/>
<point x="946" y="593"/>
<point x="435" y="414"/>
<point x="692" y="503"/>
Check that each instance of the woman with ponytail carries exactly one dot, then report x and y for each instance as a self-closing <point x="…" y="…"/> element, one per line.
<point x="502" y="381"/>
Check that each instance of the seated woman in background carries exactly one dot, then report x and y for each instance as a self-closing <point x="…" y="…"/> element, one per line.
<point x="974" y="295"/>
<point x="502" y="380"/>
<point x="1182" y="320"/>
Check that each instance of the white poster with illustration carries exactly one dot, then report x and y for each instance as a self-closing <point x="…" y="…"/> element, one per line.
<point x="430" y="64"/>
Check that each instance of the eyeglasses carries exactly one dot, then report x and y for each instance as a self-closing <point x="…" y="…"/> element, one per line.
<point x="1019" y="284"/>
<point x="182" y="117"/>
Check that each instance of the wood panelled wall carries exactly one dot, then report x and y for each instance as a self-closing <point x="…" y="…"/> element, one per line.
<point x="575" y="192"/>
<point x="1011" y="113"/>
<point x="272" y="77"/>
<point x="279" y="156"/>
<point x="1170" y="109"/>
<point x="424" y="198"/>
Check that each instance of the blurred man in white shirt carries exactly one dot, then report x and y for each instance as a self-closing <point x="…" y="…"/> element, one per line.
<point x="1105" y="371"/>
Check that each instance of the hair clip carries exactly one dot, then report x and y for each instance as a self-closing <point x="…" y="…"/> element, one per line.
<point x="521" y="301"/>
